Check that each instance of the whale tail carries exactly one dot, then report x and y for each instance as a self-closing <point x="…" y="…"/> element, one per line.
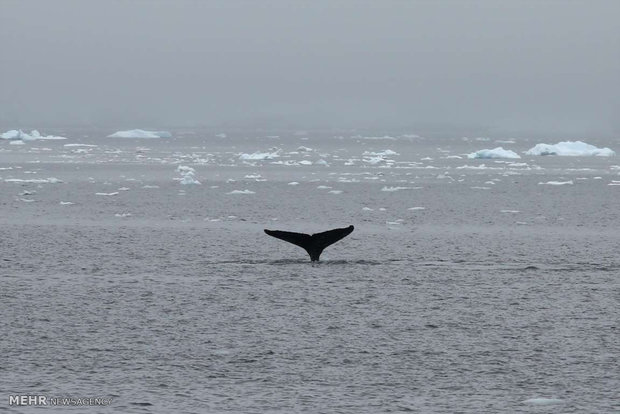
<point x="314" y="244"/>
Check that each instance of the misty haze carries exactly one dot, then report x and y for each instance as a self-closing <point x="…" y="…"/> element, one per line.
<point x="507" y="67"/>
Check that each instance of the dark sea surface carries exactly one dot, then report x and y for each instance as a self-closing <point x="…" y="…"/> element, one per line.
<point x="468" y="285"/>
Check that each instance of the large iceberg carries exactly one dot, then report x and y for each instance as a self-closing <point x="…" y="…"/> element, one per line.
<point x="140" y="133"/>
<point x="498" y="152"/>
<point x="570" y="148"/>
<point x="16" y="134"/>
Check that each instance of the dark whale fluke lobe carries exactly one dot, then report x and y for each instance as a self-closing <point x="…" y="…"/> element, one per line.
<point x="314" y="244"/>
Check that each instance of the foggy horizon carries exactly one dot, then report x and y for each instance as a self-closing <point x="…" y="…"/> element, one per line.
<point x="519" y="67"/>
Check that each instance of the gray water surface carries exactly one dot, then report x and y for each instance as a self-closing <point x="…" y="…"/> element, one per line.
<point x="470" y="290"/>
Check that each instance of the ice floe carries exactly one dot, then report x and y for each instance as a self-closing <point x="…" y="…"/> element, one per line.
<point x="187" y="175"/>
<point x="570" y="148"/>
<point x="18" y="134"/>
<point x="259" y="156"/>
<point x="383" y="153"/>
<point x="241" y="192"/>
<point x="476" y="167"/>
<point x="498" y="152"/>
<point x="372" y="160"/>
<point x="140" y="133"/>
<point x="389" y="189"/>
<point x="50" y="180"/>
<point x="570" y="182"/>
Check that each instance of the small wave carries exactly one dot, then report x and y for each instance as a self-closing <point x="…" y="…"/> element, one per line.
<point x="440" y="263"/>
<point x="304" y="261"/>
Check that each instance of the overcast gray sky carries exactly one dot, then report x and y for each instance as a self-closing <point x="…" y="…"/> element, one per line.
<point x="546" y="66"/>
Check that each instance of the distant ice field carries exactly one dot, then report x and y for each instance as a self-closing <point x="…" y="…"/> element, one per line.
<point x="138" y="269"/>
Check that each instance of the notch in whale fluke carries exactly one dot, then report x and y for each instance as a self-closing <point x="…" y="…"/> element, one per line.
<point x="314" y="244"/>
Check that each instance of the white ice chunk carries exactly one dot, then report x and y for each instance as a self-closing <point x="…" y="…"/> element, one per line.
<point x="395" y="188"/>
<point x="381" y="153"/>
<point x="184" y="169"/>
<point x="293" y="183"/>
<point x="257" y="156"/>
<point x="187" y="175"/>
<point x="570" y="182"/>
<point x="373" y="160"/>
<point x="570" y="148"/>
<point x="241" y="192"/>
<point x="188" y="179"/>
<point x="140" y="133"/>
<point x="107" y="194"/>
<point x="498" y="152"/>
<point x="50" y="180"/>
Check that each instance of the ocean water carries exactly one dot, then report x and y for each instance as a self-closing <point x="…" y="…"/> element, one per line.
<point x="467" y="286"/>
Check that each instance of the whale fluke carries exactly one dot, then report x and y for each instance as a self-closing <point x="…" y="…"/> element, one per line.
<point x="314" y="244"/>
